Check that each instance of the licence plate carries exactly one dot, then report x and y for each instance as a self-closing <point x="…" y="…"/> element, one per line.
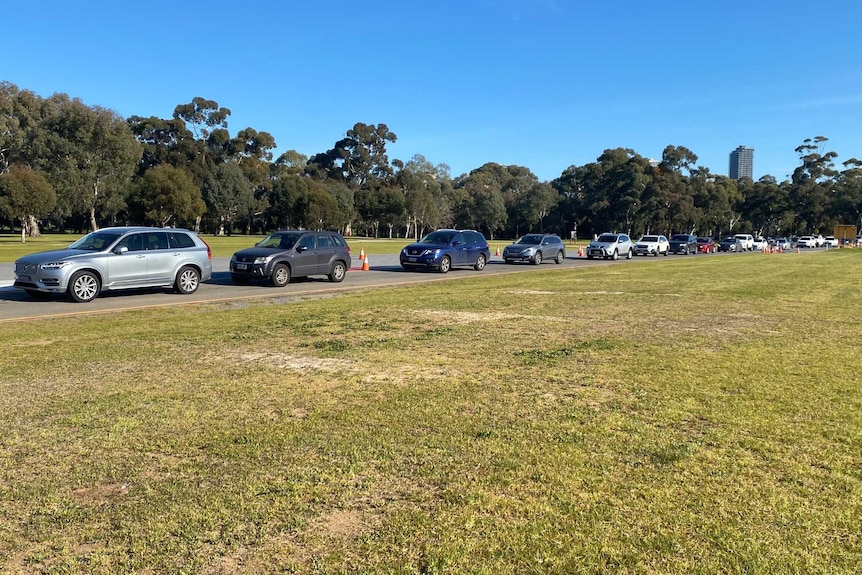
<point x="24" y="278"/>
<point x="411" y="259"/>
<point x="241" y="266"/>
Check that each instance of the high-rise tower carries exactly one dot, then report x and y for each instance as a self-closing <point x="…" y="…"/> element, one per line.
<point x="741" y="163"/>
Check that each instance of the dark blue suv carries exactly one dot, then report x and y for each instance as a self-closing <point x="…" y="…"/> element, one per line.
<point x="443" y="249"/>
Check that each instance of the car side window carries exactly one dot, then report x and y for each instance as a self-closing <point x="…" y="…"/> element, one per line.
<point x="457" y="239"/>
<point x="323" y="241"/>
<point x="134" y="242"/>
<point x="180" y="240"/>
<point x="156" y="241"/>
<point x="306" y="242"/>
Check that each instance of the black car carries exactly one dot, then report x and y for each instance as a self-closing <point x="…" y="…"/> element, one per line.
<point x="535" y="248"/>
<point x="683" y="244"/>
<point x="288" y="254"/>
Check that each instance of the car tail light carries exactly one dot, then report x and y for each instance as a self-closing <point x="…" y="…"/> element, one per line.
<point x="209" y="251"/>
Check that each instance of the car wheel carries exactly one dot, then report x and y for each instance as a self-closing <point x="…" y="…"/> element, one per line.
<point x="537" y="259"/>
<point x="240" y="280"/>
<point x="188" y="280"/>
<point x="480" y="263"/>
<point x="615" y="256"/>
<point x="445" y="265"/>
<point x="338" y="272"/>
<point x="280" y="275"/>
<point x="630" y="254"/>
<point x="84" y="287"/>
<point x="589" y="257"/>
<point x="560" y="257"/>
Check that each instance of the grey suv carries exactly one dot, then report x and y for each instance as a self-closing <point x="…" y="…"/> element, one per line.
<point x="535" y="248"/>
<point x="287" y="254"/>
<point x="117" y="258"/>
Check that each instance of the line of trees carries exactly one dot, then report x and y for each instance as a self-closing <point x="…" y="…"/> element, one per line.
<point x="68" y="166"/>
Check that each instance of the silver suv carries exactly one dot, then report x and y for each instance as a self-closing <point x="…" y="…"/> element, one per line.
<point x="117" y="258"/>
<point x="535" y="248"/>
<point x="611" y="246"/>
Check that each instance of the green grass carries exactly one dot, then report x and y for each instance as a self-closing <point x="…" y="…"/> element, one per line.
<point x="684" y="415"/>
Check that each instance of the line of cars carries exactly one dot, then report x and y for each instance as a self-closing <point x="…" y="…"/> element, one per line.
<point x="140" y="257"/>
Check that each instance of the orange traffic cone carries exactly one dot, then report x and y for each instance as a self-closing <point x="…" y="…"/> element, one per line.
<point x="365" y="267"/>
<point x="797" y="250"/>
<point x="497" y="253"/>
<point x="580" y="251"/>
<point x="361" y="253"/>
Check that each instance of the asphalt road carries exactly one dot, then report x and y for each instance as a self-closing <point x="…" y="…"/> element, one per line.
<point x="385" y="271"/>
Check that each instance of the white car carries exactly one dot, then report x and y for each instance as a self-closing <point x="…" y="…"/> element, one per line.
<point x="747" y="241"/>
<point x="611" y="247"/>
<point x="806" y="242"/>
<point x="652" y="246"/>
<point x="760" y="244"/>
<point x="831" y="242"/>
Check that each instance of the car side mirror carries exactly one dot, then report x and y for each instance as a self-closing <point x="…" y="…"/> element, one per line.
<point x="301" y="248"/>
<point x="456" y="243"/>
<point x="121" y="250"/>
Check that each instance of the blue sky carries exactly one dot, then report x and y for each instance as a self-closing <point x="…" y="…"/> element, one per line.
<point x="538" y="83"/>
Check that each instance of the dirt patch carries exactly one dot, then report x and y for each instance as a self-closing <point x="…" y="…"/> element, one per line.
<point x="293" y="362"/>
<point x="100" y="494"/>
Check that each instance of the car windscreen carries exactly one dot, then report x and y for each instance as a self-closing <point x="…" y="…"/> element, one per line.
<point x="279" y="241"/>
<point x="680" y="238"/>
<point x="649" y="239"/>
<point x="703" y="240"/>
<point x="607" y="238"/>
<point x="95" y="241"/>
<point x="531" y="240"/>
<point x="438" y="238"/>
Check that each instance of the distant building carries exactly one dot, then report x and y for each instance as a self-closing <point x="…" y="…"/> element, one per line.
<point x="742" y="163"/>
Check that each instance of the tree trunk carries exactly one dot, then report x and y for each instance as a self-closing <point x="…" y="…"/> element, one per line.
<point x="33" y="227"/>
<point x="93" y="225"/>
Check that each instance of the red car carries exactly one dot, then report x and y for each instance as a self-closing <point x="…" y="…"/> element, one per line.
<point x="706" y="246"/>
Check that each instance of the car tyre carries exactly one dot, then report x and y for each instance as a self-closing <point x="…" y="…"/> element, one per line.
<point x="630" y="254"/>
<point x="480" y="263"/>
<point x="560" y="257"/>
<point x="280" y="275"/>
<point x="445" y="265"/>
<point x="537" y="259"/>
<point x="339" y="270"/>
<point x="616" y="255"/>
<point x="240" y="279"/>
<point x="188" y="280"/>
<point x="84" y="287"/>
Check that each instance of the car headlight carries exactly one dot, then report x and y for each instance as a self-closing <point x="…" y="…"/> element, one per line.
<point x="528" y="252"/>
<point x="262" y="260"/>
<point x="54" y="265"/>
<point x="431" y="252"/>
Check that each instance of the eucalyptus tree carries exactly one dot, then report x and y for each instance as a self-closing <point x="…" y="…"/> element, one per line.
<point x="812" y="184"/>
<point x="168" y="195"/>
<point x="90" y="155"/>
<point x="228" y="196"/>
<point x="426" y="205"/>
<point x="613" y="189"/>
<point x="25" y="196"/>
<point x="483" y="206"/>
<point x="359" y="159"/>
<point x="847" y="207"/>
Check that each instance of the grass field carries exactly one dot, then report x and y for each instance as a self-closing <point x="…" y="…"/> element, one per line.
<point x="682" y="415"/>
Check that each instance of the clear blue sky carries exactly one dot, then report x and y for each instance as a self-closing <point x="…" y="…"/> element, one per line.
<point x="538" y="83"/>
